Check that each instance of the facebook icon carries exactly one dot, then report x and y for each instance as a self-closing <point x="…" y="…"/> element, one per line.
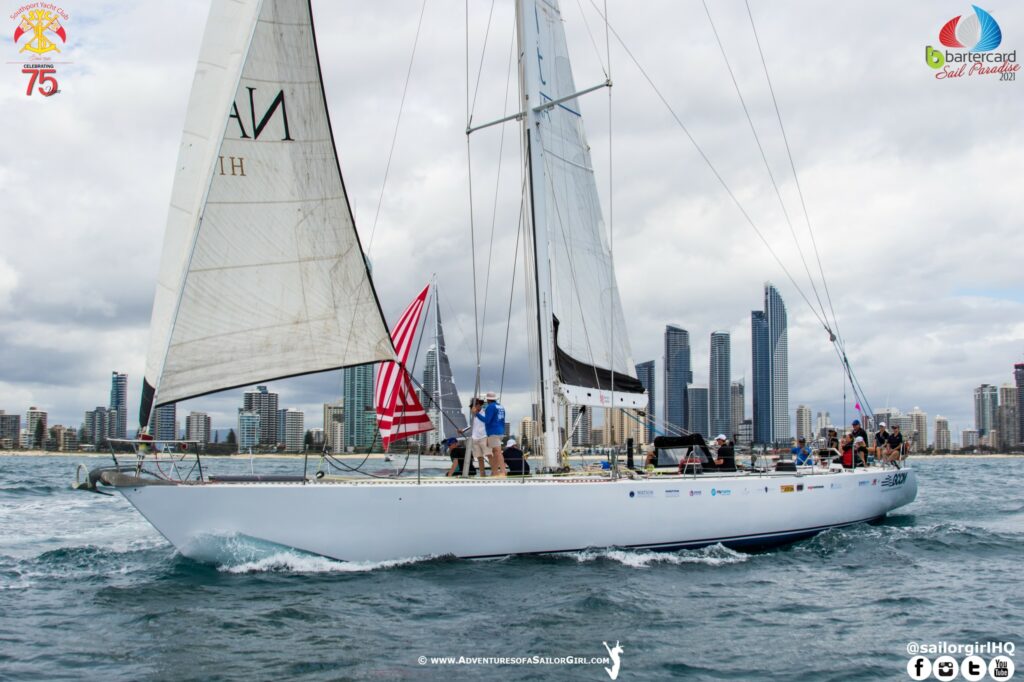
<point x="919" y="667"/>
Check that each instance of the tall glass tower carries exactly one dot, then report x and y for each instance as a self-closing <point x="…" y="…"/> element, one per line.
<point x="720" y="386"/>
<point x="645" y="373"/>
<point x="360" y="415"/>
<point x="678" y="374"/>
<point x="119" y="402"/>
<point x="770" y="359"/>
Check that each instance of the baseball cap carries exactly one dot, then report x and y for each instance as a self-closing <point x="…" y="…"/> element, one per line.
<point x="721" y="436"/>
<point x="881" y="425"/>
<point x="858" y="439"/>
<point x="510" y="442"/>
<point x="856" y="422"/>
<point x="491" y="395"/>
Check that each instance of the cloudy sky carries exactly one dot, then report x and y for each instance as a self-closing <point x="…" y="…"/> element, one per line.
<point x="912" y="185"/>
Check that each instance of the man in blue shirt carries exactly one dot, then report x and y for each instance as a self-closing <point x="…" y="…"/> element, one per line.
<point x="803" y="455"/>
<point x="493" y="417"/>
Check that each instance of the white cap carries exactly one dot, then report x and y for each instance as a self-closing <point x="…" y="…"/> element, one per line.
<point x="510" y="442"/>
<point x="721" y="436"/>
<point x="881" y="425"/>
<point x="491" y="395"/>
<point x="858" y="439"/>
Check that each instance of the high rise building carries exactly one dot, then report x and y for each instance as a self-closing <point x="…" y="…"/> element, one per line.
<point x="292" y="429"/>
<point x="35" y="422"/>
<point x="720" y="385"/>
<point x="317" y="436"/>
<point x="943" y="443"/>
<point x="198" y="427"/>
<point x="119" y="402"/>
<point x="581" y="432"/>
<point x="96" y="426"/>
<point x="264" y="403"/>
<point x="822" y="424"/>
<point x="803" y="422"/>
<point x="163" y="422"/>
<point x="620" y="425"/>
<point x="360" y="414"/>
<point x="969" y="438"/>
<point x="10" y="430"/>
<point x="887" y="416"/>
<point x="699" y="417"/>
<point x="986" y="400"/>
<point x="64" y="438"/>
<point x="645" y="373"/>
<point x="248" y="429"/>
<point x="1018" y="376"/>
<point x="527" y="432"/>
<point x="770" y="357"/>
<point x="1007" y="417"/>
<point x="334" y="413"/>
<point x="678" y="375"/>
<point x="919" y="429"/>
<point x="745" y="433"/>
<point x="737" y="403"/>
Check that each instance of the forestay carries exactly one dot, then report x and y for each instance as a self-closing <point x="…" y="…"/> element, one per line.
<point x="262" y="274"/>
<point x="589" y="326"/>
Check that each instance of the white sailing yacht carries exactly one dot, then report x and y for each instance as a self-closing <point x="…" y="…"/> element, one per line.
<point x="263" y="277"/>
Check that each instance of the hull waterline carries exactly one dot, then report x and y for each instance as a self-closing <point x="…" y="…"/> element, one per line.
<point x="377" y="521"/>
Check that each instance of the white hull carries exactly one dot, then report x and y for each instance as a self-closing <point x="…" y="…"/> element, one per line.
<point x="374" y="521"/>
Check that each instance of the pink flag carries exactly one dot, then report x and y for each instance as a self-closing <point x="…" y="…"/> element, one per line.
<point x="857" y="407"/>
<point x="399" y="412"/>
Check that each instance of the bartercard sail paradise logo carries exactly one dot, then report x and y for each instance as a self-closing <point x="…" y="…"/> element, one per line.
<point x="974" y="38"/>
<point x="40" y="34"/>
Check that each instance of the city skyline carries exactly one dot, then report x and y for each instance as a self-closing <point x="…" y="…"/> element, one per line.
<point x="950" y="325"/>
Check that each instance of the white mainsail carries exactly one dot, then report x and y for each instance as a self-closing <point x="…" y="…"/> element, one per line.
<point x="262" y="274"/>
<point x="590" y="334"/>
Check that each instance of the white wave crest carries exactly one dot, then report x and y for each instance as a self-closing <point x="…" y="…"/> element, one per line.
<point x="294" y="562"/>
<point x="715" y="555"/>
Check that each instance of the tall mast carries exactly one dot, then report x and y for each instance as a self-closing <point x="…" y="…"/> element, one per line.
<point x="538" y="249"/>
<point x="436" y="398"/>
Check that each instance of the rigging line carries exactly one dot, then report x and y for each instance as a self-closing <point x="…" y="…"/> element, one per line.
<point x="764" y="158"/>
<point x="480" y="69"/>
<point x="472" y="228"/>
<point x="398" y="122"/>
<point x="593" y="41"/>
<point x="714" y="171"/>
<point x="792" y="165"/>
<point x="512" y="291"/>
<point x="613" y="290"/>
<point x="497" y="187"/>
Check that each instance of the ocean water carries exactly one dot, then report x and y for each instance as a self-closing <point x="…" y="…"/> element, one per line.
<point x="88" y="590"/>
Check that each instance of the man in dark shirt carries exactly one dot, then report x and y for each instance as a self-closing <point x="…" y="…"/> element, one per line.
<point x="857" y="431"/>
<point x="457" y="451"/>
<point x="725" y="456"/>
<point x="515" y="462"/>
<point x="881" y="440"/>
<point x="895" y="445"/>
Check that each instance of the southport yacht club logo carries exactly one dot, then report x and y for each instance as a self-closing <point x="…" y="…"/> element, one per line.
<point x="972" y="39"/>
<point x="40" y="34"/>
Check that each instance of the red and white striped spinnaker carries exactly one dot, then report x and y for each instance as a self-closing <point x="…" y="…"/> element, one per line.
<point x="399" y="412"/>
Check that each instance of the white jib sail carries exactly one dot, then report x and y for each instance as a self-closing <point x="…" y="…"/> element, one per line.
<point x="262" y="274"/>
<point x="591" y="339"/>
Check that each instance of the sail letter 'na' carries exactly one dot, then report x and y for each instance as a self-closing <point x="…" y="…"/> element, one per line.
<point x="262" y="275"/>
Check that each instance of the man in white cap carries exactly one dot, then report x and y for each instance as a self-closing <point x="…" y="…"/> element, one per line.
<point x="860" y="449"/>
<point x="493" y="418"/>
<point x="515" y="462"/>
<point x="881" y="440"/>
<point x="725" y="456"/>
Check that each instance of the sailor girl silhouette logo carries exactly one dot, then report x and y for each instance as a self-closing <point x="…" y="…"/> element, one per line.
<point x="974" y="38"/>
<point x="39" y="34"/>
